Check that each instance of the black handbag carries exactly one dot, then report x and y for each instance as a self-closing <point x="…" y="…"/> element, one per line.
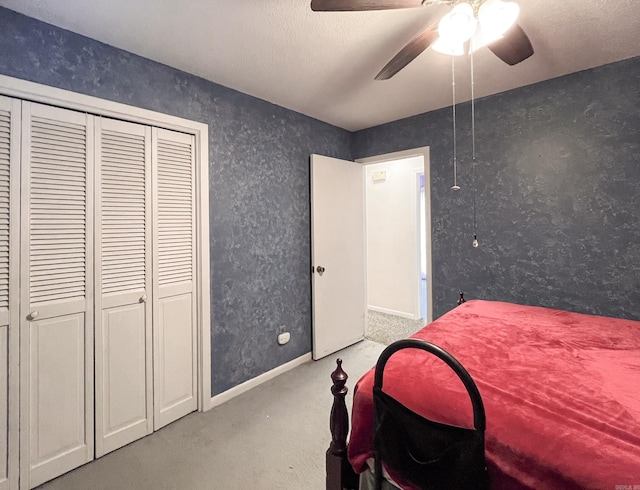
<point x="430" y="455"/>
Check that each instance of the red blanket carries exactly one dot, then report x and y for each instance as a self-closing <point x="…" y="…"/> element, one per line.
<point x="561" y="392"/>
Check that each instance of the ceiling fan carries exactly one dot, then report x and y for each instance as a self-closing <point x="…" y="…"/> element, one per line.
<point x="475" y="23"/>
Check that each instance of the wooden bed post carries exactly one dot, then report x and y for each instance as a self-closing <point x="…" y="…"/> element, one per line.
<point x="340" y="475"/>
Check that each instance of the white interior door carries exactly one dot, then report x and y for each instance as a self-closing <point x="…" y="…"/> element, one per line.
<point x="56" y="343"/>
<point x="337" y="254"/>
<point x="174" y="293"/>
<point x="9" y="283"/>
<point x="124" y="378"/>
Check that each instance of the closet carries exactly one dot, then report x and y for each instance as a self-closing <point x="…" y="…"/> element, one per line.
<point x="98" y="290"/>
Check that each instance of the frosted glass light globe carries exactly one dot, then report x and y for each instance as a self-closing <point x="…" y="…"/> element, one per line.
<point x="496" y="17"/>
<point x="459" y="24"/>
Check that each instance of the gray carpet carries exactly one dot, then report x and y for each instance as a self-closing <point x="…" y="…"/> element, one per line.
<point x="272" y="437"/>
<point x="386" y="329"/>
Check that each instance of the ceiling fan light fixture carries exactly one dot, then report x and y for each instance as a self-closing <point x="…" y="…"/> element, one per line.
<point x="496" y="17"/>
<point x="459" y="24"/>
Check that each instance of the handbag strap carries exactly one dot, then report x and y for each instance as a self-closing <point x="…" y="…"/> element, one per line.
<point x="479" y="418"/>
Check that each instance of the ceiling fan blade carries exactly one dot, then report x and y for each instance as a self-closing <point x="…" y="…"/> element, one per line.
<point x="358" y="5"/>
<point x="514" y="47"/>
<point x="407" y="54"/>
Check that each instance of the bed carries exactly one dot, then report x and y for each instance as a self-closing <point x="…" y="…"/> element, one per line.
<point x="561" y="392"/>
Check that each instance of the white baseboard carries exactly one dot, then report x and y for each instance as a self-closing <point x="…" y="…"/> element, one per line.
<point x="401" y="314"/>
<point x="258" y="380"/>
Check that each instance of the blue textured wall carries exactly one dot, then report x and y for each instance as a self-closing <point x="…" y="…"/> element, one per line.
<point x="557" y="182"/>
<point x="259" y="184"/>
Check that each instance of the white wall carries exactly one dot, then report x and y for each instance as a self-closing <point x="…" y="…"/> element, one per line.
<point x="392" y="237"/>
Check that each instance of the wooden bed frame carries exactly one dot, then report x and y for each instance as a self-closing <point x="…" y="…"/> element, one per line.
<point x="340" y="474"/>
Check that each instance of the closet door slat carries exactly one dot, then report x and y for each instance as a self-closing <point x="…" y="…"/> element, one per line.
<point x="175" y="210"/>
<point x="117" y="148"/>
<point x="54" y="137"/>
<point x="5" y="215"/>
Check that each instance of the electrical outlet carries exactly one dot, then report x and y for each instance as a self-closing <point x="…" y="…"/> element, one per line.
<point x="283" y="338"/>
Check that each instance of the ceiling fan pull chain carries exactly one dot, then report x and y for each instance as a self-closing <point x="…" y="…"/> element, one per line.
<point x="475" y="231"/>
<point x="455" y="186"/>
<point x="473" y="115"/>
<point x="473" y="155"/>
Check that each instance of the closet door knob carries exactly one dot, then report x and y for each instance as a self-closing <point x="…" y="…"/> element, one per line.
<point x="33" y="315"/>
<point x="143" y="298"/>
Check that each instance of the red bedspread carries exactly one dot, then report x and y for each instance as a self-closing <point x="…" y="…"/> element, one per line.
<point x="561" y="392"/>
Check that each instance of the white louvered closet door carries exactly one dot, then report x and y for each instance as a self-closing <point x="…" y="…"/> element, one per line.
<point x="174" y="294"/>
<point x="9" y="273"/>
<point x="124" y="388"/>
<point x="56" y="332"/>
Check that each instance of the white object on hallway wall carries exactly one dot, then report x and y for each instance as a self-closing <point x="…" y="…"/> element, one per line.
<point x="379" y="176"/>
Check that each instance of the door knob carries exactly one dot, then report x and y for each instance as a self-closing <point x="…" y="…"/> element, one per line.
<point x="33" y="315"/>
<point x="320" y="269"/>
<point x="143" y="298"/>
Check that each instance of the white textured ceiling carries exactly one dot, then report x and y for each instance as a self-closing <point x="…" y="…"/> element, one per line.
<point x="323" y="63"/>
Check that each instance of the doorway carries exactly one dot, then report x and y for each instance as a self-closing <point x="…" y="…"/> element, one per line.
<point x="398" y="244"/>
